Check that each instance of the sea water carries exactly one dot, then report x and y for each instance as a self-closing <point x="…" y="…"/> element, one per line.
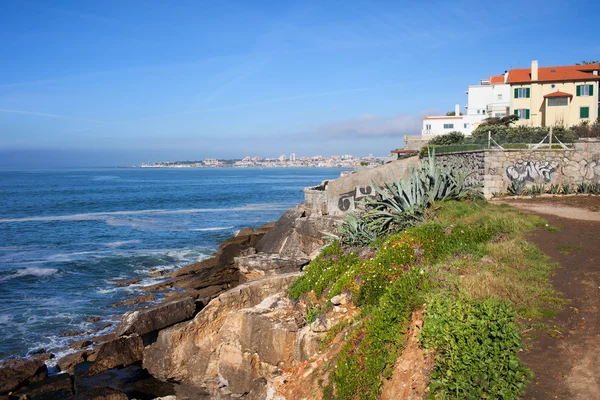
<point x="66" y="234"/>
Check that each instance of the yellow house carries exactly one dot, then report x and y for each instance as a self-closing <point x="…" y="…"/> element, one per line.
<point x="554" y="96"/>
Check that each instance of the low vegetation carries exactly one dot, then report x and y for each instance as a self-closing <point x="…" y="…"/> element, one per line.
<point x="462" y="259"/>
<point x="520" y="188"/>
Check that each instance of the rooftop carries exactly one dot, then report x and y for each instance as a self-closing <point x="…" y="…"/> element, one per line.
<point x="554" y="74"/>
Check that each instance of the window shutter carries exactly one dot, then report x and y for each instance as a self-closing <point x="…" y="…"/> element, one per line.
<point x="516" y="93"/>
<point x="591" y="90"/>
<point x="527" y="112"/>
<point x="578" y="90"/>
<point x="517" y="113"/>
<point x="527" y="92"/>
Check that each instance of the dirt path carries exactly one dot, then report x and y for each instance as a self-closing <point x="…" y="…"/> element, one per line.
<point x="567" y="365"/>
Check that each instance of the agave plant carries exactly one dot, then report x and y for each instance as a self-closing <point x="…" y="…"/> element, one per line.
<point x="354" y="231"/>
<point x="517" y="188"/>
<point x="584" y="188"/>
<point x="554" y="189"/>
<point x="401" y="204"/>
<point x="566" y="188"/>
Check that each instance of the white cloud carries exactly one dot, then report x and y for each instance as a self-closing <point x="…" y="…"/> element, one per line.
<point x="369" y="125"/>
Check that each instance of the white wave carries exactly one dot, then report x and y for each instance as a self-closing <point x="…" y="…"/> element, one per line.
<point x="5" y="319"/>
<point x="216" y="228"/>
<point x="104" y="216"/>
<point x="30" y="271"/>
<point x="121" y="243"/>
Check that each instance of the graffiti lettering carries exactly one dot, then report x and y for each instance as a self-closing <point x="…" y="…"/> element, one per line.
<point x="347" y="199"/>
<point x="531" y="171"/>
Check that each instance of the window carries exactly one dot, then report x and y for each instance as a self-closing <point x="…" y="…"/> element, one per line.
<point x="522" y="113"/>
<point x="466" y="126"/>
<point x="428" y="127"/>
<point x="558" y="101"/>
<point x="500" y="115"/>
<point x="499" y="96"/>
<point x="584" y="112"/>
<point x="448" y="126"/>
<point x="585" y="90"/>
<point x="522" y="93"/>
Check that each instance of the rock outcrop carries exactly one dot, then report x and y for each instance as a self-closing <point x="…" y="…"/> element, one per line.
<point x="119" y="352"/>
<point x="157" y="317"/>
<point x="259" y="265"/>
<point x="17" y="373"/>
<point x="238" y="338"/>
<point x="59" y="387"/>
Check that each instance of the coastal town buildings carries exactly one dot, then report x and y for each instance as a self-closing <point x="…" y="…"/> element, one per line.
<point x="539" y="96"/>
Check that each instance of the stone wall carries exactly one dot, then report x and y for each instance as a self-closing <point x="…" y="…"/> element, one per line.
<point x="414" y="142"/>
<point x="340" y="196"/>
<point x="497" y="169"/>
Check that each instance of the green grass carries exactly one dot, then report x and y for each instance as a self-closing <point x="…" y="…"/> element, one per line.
<point x="568" y="249"/>
<point x="551" y="228"/>
<point x="470" y="263"/>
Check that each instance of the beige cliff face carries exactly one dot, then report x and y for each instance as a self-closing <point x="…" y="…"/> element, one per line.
<point x="240" y="336"/>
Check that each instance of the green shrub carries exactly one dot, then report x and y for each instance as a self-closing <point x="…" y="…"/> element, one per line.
<point x="450" y="138"/>
<point x="477" y="345"/>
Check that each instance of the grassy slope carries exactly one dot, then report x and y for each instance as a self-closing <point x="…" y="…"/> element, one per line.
<point x="472" y="266"/>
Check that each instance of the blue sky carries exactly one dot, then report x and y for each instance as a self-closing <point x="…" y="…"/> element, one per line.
<point x="125" y="82"/>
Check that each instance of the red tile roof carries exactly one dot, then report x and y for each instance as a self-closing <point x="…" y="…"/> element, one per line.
<point x="558" y="93"/>
<point x="554" y="74"/>
<point x="496" y="79"/>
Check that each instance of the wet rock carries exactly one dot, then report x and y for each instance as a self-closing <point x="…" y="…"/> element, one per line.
<point x="70" y="361"/>
<point x="156" y="274"/>
<point x="21" y="372"/>
<point x="80" y="344"/>
<point x="59" y="387"/>
<point x="159" y="287"/>
<point x="193" y="268"/>
<point x="137" y="300"/>
<point x="94" y="319"/>
<point x="103" y="338"/>
<point x="133" y="380"/>
<point x="101" y="393"/>
<point x="126" y="281"/>
<point x="73" y="333"/>
<point x="156" y="317"/>
<point x="119" y="352"/>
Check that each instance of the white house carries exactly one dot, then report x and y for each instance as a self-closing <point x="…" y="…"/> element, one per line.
<point x="491" y="98"/>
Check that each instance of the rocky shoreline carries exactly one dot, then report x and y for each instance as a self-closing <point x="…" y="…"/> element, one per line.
<point x="230" y="300"/>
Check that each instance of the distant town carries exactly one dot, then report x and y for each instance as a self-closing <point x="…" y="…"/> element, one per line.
<point x="283" y="161"/>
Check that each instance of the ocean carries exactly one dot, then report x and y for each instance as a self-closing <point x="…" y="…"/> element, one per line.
<point x="65" y="234"/>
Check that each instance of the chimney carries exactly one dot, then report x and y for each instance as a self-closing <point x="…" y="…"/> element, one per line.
<point x="505" y="76"/>
<point x="534" y="70"/>
<point x="457" y="110"/>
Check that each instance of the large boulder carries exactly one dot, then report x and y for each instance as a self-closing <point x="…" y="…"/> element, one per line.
<point x="156" y="317"/>
<point x="70" y="361"/>
<point x="273" y="241"/>
<point x="20" y="372"/>
<point x="186" y="352"/>
<point x="119" y="352"/>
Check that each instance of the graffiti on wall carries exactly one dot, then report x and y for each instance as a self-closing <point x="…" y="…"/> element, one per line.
<point x="532" y="171"/>
<point x="347" y="199"/>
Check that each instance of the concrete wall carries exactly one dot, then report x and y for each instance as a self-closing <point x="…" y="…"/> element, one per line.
<point x="496" y="169"/>
<point x="340" y="196"/>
